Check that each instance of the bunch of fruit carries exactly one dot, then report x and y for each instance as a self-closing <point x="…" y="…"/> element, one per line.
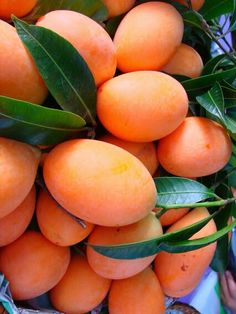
<point x="85" y="193"/>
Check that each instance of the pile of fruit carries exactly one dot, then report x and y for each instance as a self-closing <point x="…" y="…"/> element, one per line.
<point x="117" y="152"/>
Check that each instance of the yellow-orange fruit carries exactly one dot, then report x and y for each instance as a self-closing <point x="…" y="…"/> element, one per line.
<point x="180" y="273"/>
<point x="142" y="106"/>
<point x="196" y="4"/>
<point x="139" y="294"/>
<point x="172" y="215"/>
<point x="14" y="225"/>
<point x="148" y="36"/>
<point x="57" y="225"/>
<point x="198" y="147"/>
<point x="99" y="182"/>
<point x="88" y="37"/>
<point x="118" y="7"/>
<point x="18" y="166"/>
<point x="33" y="265"/>
<point x="19" y="77"/>
<point x="112" y="268"/>
<point x="145" y="152"/>
<point x="186" y="61"/>
<point x="16" y="7"/>
<point x="80" y="290"/>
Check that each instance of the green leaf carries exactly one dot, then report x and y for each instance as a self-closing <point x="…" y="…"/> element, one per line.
<point x="193" y="19"/>
<point x="92" y="8"/>
<point x="176" y="190"/>
<point x="213" y="102"/>
<point x="37" y="125"/>
<point x="212" y="65"/>
<point x="66" y="74"/>
<point x="213" y="9"/>
<point x="150" y="247"/>
<point x="232" y="26"/>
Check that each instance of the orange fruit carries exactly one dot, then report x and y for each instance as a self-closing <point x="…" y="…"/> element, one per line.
<point x="88" y="37"/>
<point x="33" y="265"/>
<point x="99" y="182"/>
<point x="80" y="290"/>
<point x="198" y="147"/>
<point x="57" y="225"/>
<point x="141" y="293"/>
<point x="141" y="106"/>
<point x="118" y="7"/>
<point x="172" y="215"/>
<point x="112" y="268"/>
<point x="148" y="36"/>
<point x="16" y="7"/>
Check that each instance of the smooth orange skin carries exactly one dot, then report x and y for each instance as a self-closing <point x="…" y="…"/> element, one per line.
<point x="186" y="61"/>
<point x="112" y="268"/>
<point x="18" y="164"/>
<point x="19" y="77"/>
<point x="14" y="225"/>
<point x="172" y="215"/>
<point x="118" y="7"/>
<point x="141" y="106"/>
<point x="99" y="182"/>
<point x="198" y="147"/>
<point x="180" y="273"/>
<point x="57" y="225"/>
<point x="88" y="37"/>
<point x="145" y="152"/>
<point x="80" y="290"/>
<point x="16" y="7"/>
<point x="196" y="4"/>
<point x="139" y="294"/>
<point x="33" y="265"/>
<point x="148" y="36"/>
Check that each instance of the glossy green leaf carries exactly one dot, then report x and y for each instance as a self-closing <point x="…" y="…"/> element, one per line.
<point x="211" y="66"/>
<point x="66" y="74"/>
<point x="149" y="247"/>
<point x="38" y="125"/>
<point x="177" y="190"/>
<point x="213" y="9"/>
<point x="232" y="26"/>
<point x="193" y="19"/>
<point x="92" y="8"/>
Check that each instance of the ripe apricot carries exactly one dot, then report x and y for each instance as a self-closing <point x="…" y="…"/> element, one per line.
<point x="16" y="7"/>
<point x="196" y="4"/>
<point x="18" y="165"/>
<point x="186" y="61"/>
<point x="19" y="77"/>
<point x="139" y="294"/>
<point x="80" y="290"/>
<point x="180" y="273"/>
<point x="198" y="147"/>
<point x="148" y="36"/>
<point x="33" y="265"/>
<point x="172" y="215"/>
<point x="88" y="37"/>
<point x="56" y="225"/>
<point x="145" y="152"/>
<point x="14" y="225"/>
<point x="118" y="7"/>
<point x="112" y="268"/>
<point x="141" y="106"/>
<point x="99" y="182"/>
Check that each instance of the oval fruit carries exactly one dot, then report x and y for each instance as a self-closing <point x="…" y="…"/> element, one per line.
<point x="198" y="147"/>
<point x="171" y="216"/>
<point x="141" y="293"/>
<point x="80" y="290"/>
<point x="180" y="273"/>
<point x="99" y="182"/>
<point x="148" y="36"/>
<point x="19" y="77"/>
<point x="33" y="265"/>
<point x="57" y="225"/>
<point x="16" y="7"/>
<point x="88" y="37"/>
<point x="112" y="268"/>
<point x="118" y="7"/>
<point x="136" y="106"/>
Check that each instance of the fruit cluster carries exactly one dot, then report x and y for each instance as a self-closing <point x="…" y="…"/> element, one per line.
<point x="101" y="191"/>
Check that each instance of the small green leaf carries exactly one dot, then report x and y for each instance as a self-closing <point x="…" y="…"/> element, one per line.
<point x="232" y="26"/>
<point x="92" y="8"/>
<point x="193" y="19"/>
<point x="66" y="74"/>
<point x="176" y="190"/>
<point x="38" y="125"/>
<point x="213" y="9"/>
<point x="212" y="65"/>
